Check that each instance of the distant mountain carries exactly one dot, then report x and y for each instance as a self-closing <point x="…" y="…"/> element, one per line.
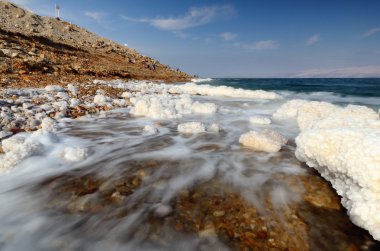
<point x="349" y="72"/>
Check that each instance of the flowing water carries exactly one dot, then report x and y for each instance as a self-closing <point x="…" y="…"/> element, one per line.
<point x="170" y="191"/>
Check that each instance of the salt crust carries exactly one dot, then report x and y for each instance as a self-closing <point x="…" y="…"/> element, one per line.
<point x="22" y="146"/>
<point x="166" y="106"/>
<point x="197" y="127"/>
<point x="265" y="141"/>
<point x="150" y="130"/>
<point x="343" y="144"/>
<point x="191" y="128"/>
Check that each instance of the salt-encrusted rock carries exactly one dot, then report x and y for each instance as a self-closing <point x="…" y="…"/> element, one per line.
<point x="343" y="144"/>
<point x="150" y="130"/>
<point x="54" y="88"/>
<point x="74" y="102"/>
<point x="75" y="154"/>
<point x="259" y="120"/>
<point x="307" y="112"/>
<point x="119" y="102"/>
<point x="166" y="106"/>
<point x="265" y="141"/>
<point x="4" y="134"/>
<point x="101" y="100"/>
<point x="191" y="128"/>
<point x="73" y="89"/>
<point x="350" y="159"/>
<point x="126" y="95"/>
<point x="16" y="149"/>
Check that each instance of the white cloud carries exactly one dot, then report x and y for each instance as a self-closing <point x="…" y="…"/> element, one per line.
<point x="228" y="36"/>
<point x="371" y="32"/>
<point x="357" y="71"/>
<point x="97" y="16"/>
<point x="263" y="45"/>
<point x="193" y="18"/>
<point x="313" y="39"/>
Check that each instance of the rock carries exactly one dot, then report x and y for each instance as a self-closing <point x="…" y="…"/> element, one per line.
<point x="264" y="141"/>
<point x="6" y="52"/>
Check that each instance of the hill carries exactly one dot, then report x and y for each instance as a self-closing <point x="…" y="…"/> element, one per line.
<point x="37" y="50"/>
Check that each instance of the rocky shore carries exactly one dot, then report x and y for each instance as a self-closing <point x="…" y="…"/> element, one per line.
<point x="151" y="175"/>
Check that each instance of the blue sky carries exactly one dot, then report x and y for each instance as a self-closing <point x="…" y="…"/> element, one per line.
<point x="238" y="38"/>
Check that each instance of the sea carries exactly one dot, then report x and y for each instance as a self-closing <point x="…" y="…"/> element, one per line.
<point x="160" y="189"/>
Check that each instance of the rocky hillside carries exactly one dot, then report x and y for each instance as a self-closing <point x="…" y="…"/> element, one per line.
<point x="36" y="50"/>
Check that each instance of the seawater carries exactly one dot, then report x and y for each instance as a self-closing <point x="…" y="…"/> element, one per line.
<point x="40" y="212"/>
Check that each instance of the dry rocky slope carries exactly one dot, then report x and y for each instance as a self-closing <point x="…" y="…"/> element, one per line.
<point x="36" y="51"/>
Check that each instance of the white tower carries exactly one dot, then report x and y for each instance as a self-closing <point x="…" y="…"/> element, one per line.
<point x="57" y="10"/>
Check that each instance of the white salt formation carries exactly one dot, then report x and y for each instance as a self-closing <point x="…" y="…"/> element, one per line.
<point x="343" y="144"/>
<point x="150" y="130"/>
<point x="259" y="120"/>
<point x="16" y="149"/>
<point x="74" y="154"/>
<point x="166" y="106"/>
<point x="191" y="128"/>
<point x="264" y="141"/>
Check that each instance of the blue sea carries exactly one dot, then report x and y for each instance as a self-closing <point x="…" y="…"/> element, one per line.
<point x="363" y="87"/>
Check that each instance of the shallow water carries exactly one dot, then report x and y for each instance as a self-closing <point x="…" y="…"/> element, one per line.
<point x="170" y="191"/>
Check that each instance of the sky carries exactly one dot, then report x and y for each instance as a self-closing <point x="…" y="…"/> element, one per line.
<point x="256" y="38"/>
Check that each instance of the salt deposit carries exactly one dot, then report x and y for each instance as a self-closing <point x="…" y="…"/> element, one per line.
<point x="74" y="154"/>
<point x="54" y="88"/>
<point x="166" y="106"/>
<point x="259" y="120"/>
<point x="307" y="112"/>
<point x="191" y="128"/>
<point x="101" y="100"/>
<point x="264" y="141"/>
<point x="16" y="149"/>
<point x="343" y="144"/>
<point x="150" y="130"/>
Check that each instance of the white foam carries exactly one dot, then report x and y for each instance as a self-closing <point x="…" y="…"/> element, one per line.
<point x="198" y="80"/>
<point x="214" y="128"/>
<point x="224" y="91"/>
